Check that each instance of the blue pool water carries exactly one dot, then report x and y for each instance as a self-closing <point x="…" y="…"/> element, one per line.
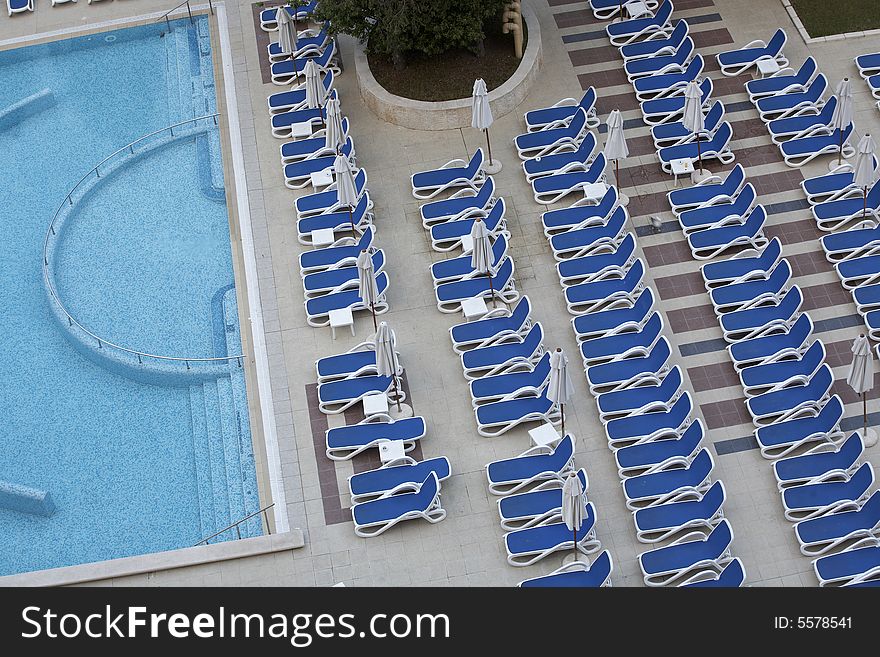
<point x="143" y="261"/>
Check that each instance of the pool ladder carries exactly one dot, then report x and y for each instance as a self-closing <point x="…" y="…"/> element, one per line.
<point x="237" y="525"/>
<point x="167" y="20"/>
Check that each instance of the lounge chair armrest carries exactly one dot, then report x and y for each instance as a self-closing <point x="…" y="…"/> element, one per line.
<point x="690" y="536"/>
<point x="565" y="102"/>
<point x="757" y="43"/>
<point x="458" y="162"/>
<point x="710" y="180"/>
<point x="788" y="70"/>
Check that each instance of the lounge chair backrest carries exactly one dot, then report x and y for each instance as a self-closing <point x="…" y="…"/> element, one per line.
<point x="694" y="69"/>
<point x="681" y="409"/>
<point x="873" y="198"/>
<point x="588" y="100"/>
<point x="715" y="496"/>
<point x="578" y="121"/>
<point x="756" y="219"/>
<point x="672" y="382"/>
<point x="521" y="311"/>
<point x="505" y="271"/>
<point x="533" y="339"/>
<point x="588" y="145"/>
<point x="831" y="413"/>
<point x="746" y="197"/>
<point x="644" y="302"/>
<point x="706" y="88"/>
<point x="722" y="136"/>
<point x="685" y="50"/>
<point x="702" y="465"/>
<point x="598" y="164"/>
<point x="654" y="326"/>
<point x="777" y="42"/>
<point x="871" y="508"/>
<point x="428" y="491"/>
<point x="663" y="12"/>
<point x="609" y="200"/>
<point x="863" y="478"/>
<point x="817" y="88"/>
<point x="679" y="32"/>
<point x="807" y="70"/>
<point x="324" y="58"/>
<point x="499" y="248"/>
<point x="714" y="116"/>
<point x="814" y="356"/>
<point x="822" y="380"/>
<point x="473" y="167"/>
<point x="562" y="454"/>
<point x="734" y="180"/>
<point x="496" y="214"/>
<point x="486" y="192"/>
<point x="635" y="274"/>
<point x="720" y="537"/>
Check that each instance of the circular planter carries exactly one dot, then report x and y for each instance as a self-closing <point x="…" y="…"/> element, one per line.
<point x="449" y="114"/>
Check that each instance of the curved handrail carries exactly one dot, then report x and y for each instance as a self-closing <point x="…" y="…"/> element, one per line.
<point x="68" y="199"/>
<point x="236" y="524"/>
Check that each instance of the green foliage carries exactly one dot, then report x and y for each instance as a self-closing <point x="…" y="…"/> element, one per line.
<point x="427" y="26"/>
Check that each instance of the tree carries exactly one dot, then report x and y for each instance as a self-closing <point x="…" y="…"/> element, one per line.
<point x="396" y="27"/>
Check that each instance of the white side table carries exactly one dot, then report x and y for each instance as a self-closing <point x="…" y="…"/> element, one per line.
<point x="595" y="191"/>
<point x="767" y="67"/>
<point x="322" y="179"/>
<point x="301" y="130"/>
<point x="682" y="166"/>
<point x="340" y="318"/>
<point x="323" y="237"/>
<point x="375" y="404"/>
<point x="637" y="9"/>
<point x="467" y="243"/>
<point x="474" y="307"/>
<point x="391" y="450"/>
<point x="544" y="436"/>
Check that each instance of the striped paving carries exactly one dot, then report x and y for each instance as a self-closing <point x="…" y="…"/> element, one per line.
<point x="676" y="276"/>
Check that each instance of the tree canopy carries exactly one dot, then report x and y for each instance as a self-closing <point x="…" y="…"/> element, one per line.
<point x="396" y="27"/>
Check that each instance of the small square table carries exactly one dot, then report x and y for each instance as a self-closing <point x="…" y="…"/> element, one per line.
<point x="594" y="191"/>
<point x="301" y="129"/>
<point x="391" y="450"/>
<point x="544" y="435"/>
<point x="322" y="237"/>
<point x="321" y="179"/>
<point x="474" y="307"/>
<point x="767" y="67"/>
<point x="682" y="166"/>
<point x="637" y="9"/>
<point x="467" y="243"/>
<point x="375" y="404"/>
<point x="340" y="318"/>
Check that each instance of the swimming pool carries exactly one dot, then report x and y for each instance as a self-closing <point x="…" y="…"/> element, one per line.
<point x="134" y="462"/>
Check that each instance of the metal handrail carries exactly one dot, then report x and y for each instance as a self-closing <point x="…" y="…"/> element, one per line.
<point x="164" y="17"/>
<point x="68" y="199"/>
<point x="238" y="522"/>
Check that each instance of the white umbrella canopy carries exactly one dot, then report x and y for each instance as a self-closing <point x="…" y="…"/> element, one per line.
<point x="346" y="190"/>
<point x="286" y="31"/>
<point x="313" y="85"/>
<point x="864" y="171"/>
<point x="387" y="363"/>
<point x="861" y="380"/>
<point x="559" y="387"/>
<point x="616" y="148"/>
<point x="481" y="117"/>
<point x="367" y="288"/>
<point x="692" y="117"/>
<point x="481" y="256"/>
<point x="334" y="137"/>
<point x="573" y="503"/>
<point x="843" y="113"/>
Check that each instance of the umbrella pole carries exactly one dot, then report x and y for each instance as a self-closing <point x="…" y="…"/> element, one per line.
<point x="865" y="414"/>
<point x="488" y="146"/>
<point x="562" y="411"/>
<point x="621" y="11"/>
<point x="373" y="311"/>
<point x="617" y="175"/>
<point x="351" y="221"/>
<point x="492" y="290"/>
<point x="840" y="151"/>
<point x="574" y="541"/>
<point x="865" y="202"/>
<point x="699" y="154"/>
<point x="396" y="392"/>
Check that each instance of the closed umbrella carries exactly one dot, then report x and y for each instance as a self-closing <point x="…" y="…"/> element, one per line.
<point x="346" y="193"/>
<point x="559" y="388"/>
<point x="481" y="118"/>
<point x="861" y="378"/>
<point x="481" y="256"/>
<point x="573" y="503"/>
<point x="367" y="288"/>
<point x="334" y="137"/>
<point x="616" y="148"/>
<point x="387" y="363"/>
<point x="842" y="115"/>
<point x="314" y="88"/>
<point x="864" y="171"/>
<point x="286" y="31"/>
<point x="694" y="121"/>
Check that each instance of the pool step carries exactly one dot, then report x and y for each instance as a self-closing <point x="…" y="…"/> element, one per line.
<point x="217" y="453"/>
<point x="231" y="446"/>
<point x="240" y="401"/>
<point x="202" y="460"/>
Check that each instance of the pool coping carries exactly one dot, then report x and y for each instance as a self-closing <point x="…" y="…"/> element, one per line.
<point x="284" y="538"/>
<point x="157" y="561"/>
